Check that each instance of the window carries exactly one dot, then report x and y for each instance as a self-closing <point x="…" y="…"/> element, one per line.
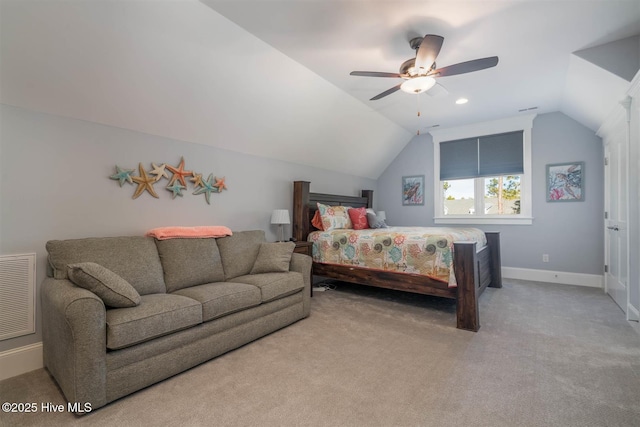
<point x="482" y="173"/>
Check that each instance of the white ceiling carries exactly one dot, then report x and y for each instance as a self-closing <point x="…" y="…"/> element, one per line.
<point x="271" y="78"/>
<point x="534" y="41"/>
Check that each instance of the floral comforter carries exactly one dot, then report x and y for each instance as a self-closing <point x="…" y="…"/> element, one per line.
<point x="417" y="250"/>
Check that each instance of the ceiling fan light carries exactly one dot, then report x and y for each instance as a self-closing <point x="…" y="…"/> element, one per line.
<point x="418" y="84"/>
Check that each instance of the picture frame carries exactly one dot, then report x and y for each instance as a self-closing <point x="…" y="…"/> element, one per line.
<point x="413" y="190"/>
<point x="565" y="182"/>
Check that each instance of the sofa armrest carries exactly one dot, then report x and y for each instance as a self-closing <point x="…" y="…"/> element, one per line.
<point x="74" y="340"/>
<point x="302" y="264"/>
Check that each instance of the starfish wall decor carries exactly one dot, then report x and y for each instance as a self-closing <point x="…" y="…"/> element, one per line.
<point x="177" y="183"/>
<point x="145" y="183"/>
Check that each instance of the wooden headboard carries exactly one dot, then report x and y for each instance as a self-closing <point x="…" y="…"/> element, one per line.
<point x="304" y="206"/>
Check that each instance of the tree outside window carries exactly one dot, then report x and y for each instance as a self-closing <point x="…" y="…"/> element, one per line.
<point x="505" y="192"/>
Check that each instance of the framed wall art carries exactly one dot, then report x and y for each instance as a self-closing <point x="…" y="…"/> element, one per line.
<point x="565" y="182"/>
<point x="413" y="190"/>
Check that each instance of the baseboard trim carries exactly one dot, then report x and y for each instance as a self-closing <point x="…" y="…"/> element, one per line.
<point x="560" y="277"/>
<point x="632" y="313"/>
<point x="20" y="360"/>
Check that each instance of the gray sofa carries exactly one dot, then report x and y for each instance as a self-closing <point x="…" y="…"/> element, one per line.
<point x="197" y="300"/>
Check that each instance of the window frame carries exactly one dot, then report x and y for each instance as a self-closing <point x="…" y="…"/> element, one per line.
<point x="519" y="123"/>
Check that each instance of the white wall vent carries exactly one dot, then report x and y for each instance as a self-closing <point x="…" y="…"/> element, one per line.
<point x="17" y="295"/>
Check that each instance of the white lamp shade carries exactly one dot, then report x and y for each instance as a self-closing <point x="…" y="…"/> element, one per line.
<point x="280" y="216"/>
<point x="418" y="84"/>
<point x="382" y="215"/>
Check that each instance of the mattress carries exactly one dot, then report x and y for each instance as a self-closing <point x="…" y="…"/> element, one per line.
<point x="426" y="251"/>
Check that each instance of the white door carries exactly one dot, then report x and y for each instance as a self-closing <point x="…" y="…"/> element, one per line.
<point x="616" y="198"/>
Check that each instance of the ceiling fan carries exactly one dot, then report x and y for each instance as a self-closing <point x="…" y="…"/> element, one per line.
<point x="420" y="72"/>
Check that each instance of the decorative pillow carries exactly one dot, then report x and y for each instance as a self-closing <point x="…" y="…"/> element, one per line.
<point x="111" y="288"/>
<point x="273" y="258"/>
<point x="359" y="218"/>
<point x="317" y="221"/>
<point x="375" y="222"/>
<point x="334" y="217"/>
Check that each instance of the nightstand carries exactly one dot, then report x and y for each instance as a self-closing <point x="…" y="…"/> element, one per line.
<point x="305" y="248"/>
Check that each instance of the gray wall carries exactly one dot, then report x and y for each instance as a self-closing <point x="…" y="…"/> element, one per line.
<point x="571" y="233"/>
<point x="54" y="185"/>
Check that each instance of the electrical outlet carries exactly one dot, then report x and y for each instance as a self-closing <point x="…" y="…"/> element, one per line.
<point x="545" y="257"/>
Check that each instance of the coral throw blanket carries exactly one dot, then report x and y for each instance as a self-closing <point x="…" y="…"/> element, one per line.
<point x="163" y="233"/>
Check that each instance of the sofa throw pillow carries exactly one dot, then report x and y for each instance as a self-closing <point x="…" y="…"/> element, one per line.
<point x="334" y="217"/>
<point x="273" y="258"/>
<point x="111" y="288"/>
<point x="359" y="218"/>
<point x="316" y="221"/>
<point x="375" y="222"/>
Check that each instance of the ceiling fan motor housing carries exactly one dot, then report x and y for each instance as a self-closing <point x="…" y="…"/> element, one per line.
<point x="408" y="68"/>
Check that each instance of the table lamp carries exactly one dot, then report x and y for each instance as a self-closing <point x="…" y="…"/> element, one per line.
<point x="280" y="217"/>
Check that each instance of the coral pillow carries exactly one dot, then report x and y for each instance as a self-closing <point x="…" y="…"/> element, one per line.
<point x="359" y="218"/>
<point x="317" y="221"/>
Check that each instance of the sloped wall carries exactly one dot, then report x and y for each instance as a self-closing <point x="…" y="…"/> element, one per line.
<point x="54" y="184"/>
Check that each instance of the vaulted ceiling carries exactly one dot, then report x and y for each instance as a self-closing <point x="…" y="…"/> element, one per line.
<point x="271" y="78"/>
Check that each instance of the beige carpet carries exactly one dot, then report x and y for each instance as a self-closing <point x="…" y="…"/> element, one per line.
<point x="546" y="355"/>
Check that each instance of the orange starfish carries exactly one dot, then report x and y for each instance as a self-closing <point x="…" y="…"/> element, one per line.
<point x="179" y="173"/>
<point x="220" y="184"/>
<point x="145" y="182"/>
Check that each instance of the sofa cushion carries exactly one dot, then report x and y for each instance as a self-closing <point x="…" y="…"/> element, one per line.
<point x="112" y="289"/>
<point x="274" y="285"/>
<point x="157" y="315"/>
<point x="133" y="258"/>
<point x="222" y="298"/>
<point x="239" y="252"/>
<point x="189" y="262"/>
<point x="273" y="257"/>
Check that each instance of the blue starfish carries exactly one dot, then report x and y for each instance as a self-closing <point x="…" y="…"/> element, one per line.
<point x="123" y="175"/>
<point x="207" y="188"/>
<point x="176" y="188"/>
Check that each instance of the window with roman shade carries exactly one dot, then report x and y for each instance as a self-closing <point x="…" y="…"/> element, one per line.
<point x="482" y="172"/>
<point x="484" y="156"/>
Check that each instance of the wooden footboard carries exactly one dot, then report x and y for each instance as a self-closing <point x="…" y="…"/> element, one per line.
<point x="474" y="270"/>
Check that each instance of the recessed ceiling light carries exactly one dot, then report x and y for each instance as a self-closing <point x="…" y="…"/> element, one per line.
<point x="461" y="101"/>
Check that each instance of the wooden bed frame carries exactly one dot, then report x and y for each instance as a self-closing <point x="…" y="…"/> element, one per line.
<point x="474" y="270"/>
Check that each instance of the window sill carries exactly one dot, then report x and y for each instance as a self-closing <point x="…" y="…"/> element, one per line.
<point x="520" y="220"/>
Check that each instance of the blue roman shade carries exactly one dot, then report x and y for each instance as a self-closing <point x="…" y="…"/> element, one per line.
<point x="490" y="155"/>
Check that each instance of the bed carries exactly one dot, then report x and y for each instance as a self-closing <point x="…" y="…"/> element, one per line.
<point x="475" y="267"/>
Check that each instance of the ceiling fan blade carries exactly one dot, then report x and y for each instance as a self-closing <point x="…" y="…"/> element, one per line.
<point x="374" y="74"/>
<point x="428" y="51"/>
<point x="466" y="67"/>
<point x="386" y="92"/>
